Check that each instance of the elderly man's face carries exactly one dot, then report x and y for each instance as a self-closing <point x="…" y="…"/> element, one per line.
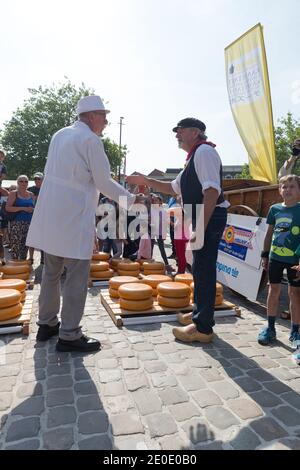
<point x="187" y="137"/>
<point x="97" y="121"/>
<point x="38" y="181"/>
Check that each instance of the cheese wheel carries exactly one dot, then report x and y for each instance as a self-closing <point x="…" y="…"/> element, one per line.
<point x="185" y="278"/>
<point x="129" y="266"/>
<point x="15" y="269"/>
<point x="127" y="273"/>
<point x="115" y="261"/>
<point x="101" y="256"/>
<point x="102" y="274"/>
<point x="136" y="305"/>
<point x="17" y="284"/>
<point x="23" y="296"/>
<point x="153" y="265"/>
<point x="10" y="312"/>
<point x="116" y="282"/>
<point x="142" y="261"/>
<point x="9" y="297"/>
<point x="219" y="289"/>
<point x="155" y="279"/>
<point x="24" y="276"/>
<point x="113" y="293"/>
<point x="99" y="266"/>
<point x="135" y="291"/>
<point x="174" y="289"/>
<point x="150" y="272"/>
<point x="173" y="302"/>
<point x="219" y="299"/>
<point x="19" y="261"/>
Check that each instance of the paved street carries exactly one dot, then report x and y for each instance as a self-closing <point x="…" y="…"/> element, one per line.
<point x="144" y="390"/>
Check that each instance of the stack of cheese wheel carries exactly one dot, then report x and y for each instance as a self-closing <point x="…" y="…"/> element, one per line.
<point x="10" y="304"/>
<point x="16" y="262"/>
<point x="16" y="270"/>
<point x="192" y="292"/>
<point x="100" y="270"/>
<point x="154" y="280"/>
<point x="114" y="262"/>
<point x="184" y="278"/>
<point x="136" y="297"/>
<point x="219" y="294"/>
<point x="154" y="267"/>
<point x="173" y="294"/>
<point x="118" y="281"/>
<point x="129" y="268"/>
<point x="17" y="284"/>
<point x="142" y="261"/>
<point x="100" y="256"/>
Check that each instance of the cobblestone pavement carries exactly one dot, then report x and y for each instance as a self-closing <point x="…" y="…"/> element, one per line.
<point x="144" y="390"/>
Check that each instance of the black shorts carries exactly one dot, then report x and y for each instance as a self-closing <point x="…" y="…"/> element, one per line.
<point x="276" y="269"/>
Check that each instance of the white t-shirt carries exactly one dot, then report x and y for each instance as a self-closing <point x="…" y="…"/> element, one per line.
<point x="207" y="166"/>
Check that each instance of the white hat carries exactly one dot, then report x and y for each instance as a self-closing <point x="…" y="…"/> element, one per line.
<point x="90" y="103"/>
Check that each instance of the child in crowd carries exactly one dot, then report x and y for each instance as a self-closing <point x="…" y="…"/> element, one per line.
<point x="281" y="242"/>
<point x="181" y="232"/>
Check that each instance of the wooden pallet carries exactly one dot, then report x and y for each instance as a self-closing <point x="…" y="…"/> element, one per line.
<point x="157" y="314"/>
<point x="21" y="323"/>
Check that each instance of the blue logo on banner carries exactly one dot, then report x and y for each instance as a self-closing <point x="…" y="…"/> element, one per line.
<point x="233" y="249"/>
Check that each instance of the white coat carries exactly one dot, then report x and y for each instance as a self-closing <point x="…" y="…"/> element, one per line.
<point x="77" y="170"/>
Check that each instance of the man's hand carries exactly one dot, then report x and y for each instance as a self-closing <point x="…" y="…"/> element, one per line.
<point x="140" y="199"/>
<point x="265" y="264"/>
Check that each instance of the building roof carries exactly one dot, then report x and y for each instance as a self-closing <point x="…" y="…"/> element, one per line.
<point x="156" y="172"/>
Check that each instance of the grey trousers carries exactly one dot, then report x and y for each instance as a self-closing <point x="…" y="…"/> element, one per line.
<point x="74" y="294"/>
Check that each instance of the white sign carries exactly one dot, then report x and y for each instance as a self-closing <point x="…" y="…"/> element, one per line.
<point x="239" y="261"/>
<point x="245" y="79"/>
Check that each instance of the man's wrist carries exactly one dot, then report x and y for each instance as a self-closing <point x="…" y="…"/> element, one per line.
<point x="265" y="254"/>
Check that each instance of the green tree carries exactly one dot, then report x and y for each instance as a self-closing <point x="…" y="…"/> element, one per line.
<point x="287" y="130"/>
<point x="245" y="173"/>
<point x="27" y="135"/>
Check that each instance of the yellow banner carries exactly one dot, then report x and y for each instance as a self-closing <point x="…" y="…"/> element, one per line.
<point x="250" y="101"/>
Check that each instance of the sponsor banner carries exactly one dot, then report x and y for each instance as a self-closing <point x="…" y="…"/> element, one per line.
<point x="239" y="261"/>
<point x="250" y="100"/>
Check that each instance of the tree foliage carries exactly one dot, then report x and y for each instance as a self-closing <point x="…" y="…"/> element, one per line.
<point x="26" y="137"/>
<point x="286" y="132"/>
<point x="245" y="173"/>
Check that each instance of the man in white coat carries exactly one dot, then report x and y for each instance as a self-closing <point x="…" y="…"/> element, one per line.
<point x="63" y="223"/>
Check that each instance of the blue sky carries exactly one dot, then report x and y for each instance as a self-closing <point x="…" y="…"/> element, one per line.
<point x="154" y="61"/>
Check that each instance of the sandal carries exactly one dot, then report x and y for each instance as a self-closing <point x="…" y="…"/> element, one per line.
<point x="285" y="315"/>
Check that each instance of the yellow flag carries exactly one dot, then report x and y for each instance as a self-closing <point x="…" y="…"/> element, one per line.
<point x="250" y="101"/>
